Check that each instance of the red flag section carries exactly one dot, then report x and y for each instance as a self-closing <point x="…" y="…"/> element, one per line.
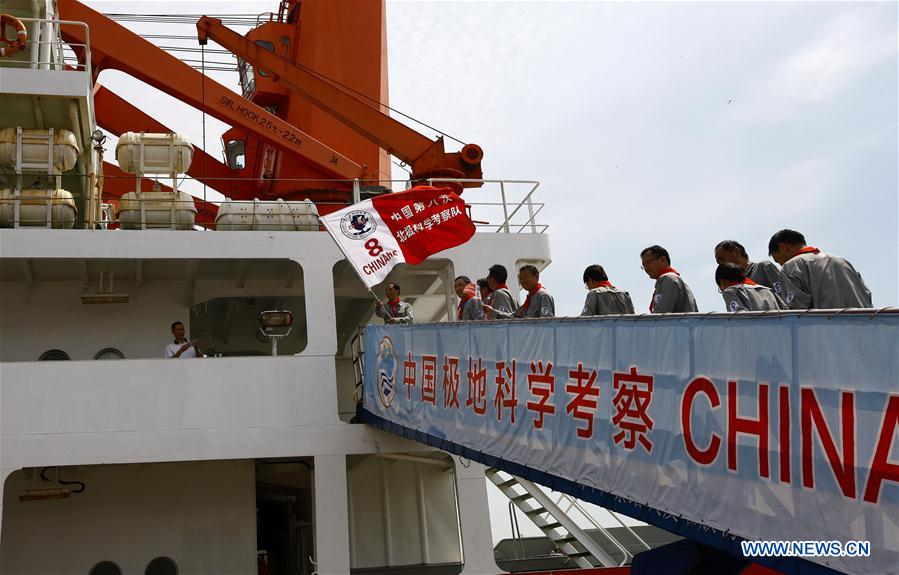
<point x="425" y="220"/>
<point x="409" y="226"/>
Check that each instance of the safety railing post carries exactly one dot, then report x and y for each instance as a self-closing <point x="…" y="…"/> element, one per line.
<point x="502" y="191"/>
<point x="531" y="212"/>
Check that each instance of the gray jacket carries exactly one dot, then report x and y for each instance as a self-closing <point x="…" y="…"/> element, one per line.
<point x="541" y="304"/>
<point x="672" y="295"/>
<point x="503" y="301"/>
<point x="747" y="297"/>
<point x="769" y="274"/>
<point x="403" y="312"/>
<point x="471" y="310"/>
<point x="824" y="281"/>
<point x="607" y="301"/>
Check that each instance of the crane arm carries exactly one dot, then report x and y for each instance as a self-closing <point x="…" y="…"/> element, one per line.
<point x="426" y="156"/>
<point x="114" y="46"/>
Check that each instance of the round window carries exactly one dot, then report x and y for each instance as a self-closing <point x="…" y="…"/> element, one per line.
<point x="109" y="353"/>
<point x="54" y="355"/>
<point x="161" y="566"/>
<point x="105" y="568"/>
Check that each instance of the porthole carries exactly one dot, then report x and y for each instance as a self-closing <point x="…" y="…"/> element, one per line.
<point x="109" y="353"/>
<point x="105" y="568"/>
<point x="161" y="566"/>
<point x="54" y="355"/>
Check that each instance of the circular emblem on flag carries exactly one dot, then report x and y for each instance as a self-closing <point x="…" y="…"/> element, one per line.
<point x="386" y="370"/>
<point x="657" y="298"/>
<point x="733" y="305"/>
<point x="777" y="287"/>
<point x="357" y="225"/>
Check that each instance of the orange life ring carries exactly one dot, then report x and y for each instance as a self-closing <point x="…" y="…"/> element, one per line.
<point x="10" y="47"/>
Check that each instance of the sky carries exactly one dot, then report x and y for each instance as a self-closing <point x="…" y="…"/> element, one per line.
<point x="679" y="123"/>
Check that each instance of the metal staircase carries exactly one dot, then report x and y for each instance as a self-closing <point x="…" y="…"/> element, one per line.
<point x="570" y="539"/>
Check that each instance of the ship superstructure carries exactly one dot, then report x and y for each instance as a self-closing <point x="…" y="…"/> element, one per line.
<point x="239" y="462"/>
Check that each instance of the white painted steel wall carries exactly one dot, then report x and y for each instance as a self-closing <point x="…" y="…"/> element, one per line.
<point x="402" y="513"/>
<point x="201" y="515"/>
<point x="53" y="317"/>
<point x="154" y="410"/>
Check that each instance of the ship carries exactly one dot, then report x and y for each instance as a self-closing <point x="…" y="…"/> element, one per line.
<point x="274" y="453"/>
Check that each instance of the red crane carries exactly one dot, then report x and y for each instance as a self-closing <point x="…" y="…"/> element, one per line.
<point x="312" y="115"/>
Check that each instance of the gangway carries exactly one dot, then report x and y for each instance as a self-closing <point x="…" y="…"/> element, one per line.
<point x="567" y="536"/>
<point x="725" y="429"/>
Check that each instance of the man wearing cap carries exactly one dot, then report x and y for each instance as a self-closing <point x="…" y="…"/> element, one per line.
<point x="823" y="281"/>
<point x="671" y="294"/>
<point x="604" y="298"/>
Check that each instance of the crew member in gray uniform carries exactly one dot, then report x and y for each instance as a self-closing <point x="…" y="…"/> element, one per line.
<point x="538" y="302"/>
<point x="394" y="310"/>
<point x="604" y="298"/>
<point x="469" y="306"/>
<point x="502" y="298"/>
<point x="742" y="293"/>
<point x="672" y="294"/>
<point x="765" y="272"/>
<point x="822" y="281"/>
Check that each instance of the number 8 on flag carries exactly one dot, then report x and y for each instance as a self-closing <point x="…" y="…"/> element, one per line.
<point x="409" y="226"/>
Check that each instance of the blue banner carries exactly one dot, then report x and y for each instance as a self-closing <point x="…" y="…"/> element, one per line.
<point x="761" y="428"/>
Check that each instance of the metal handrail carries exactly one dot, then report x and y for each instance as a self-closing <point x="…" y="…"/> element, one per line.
<point x="507" y="217"/>
<point x="57" y="41"/>
<point x="573" y="502"/>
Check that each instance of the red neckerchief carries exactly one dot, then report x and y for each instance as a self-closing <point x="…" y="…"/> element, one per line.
<point x="394" y="305"/>
<point x="462" y="301"/>
<point x="808" y="250"/>
<point x="501" y="286"/>
<point x="606" y="284"/>
<point x="746" y="281"/>
<point x="668" y="270"/>
<point x="527" y="301"/>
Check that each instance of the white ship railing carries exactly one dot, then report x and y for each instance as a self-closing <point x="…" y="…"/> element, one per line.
<point x="499" y="206"/>
<point x="508" y="218"/>
<point x="47" y="51"/>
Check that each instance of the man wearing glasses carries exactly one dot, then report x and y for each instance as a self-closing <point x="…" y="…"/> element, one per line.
<point x="672" y="294"/>
<point x="604" y="298"/>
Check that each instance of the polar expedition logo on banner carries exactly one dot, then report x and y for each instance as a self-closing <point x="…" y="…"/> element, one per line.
<point x="357" y="225"/>
<point x="386" y="370"/>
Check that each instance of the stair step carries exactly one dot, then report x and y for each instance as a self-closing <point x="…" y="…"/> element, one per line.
<point x="524" y="497"/>
<point x="548" y="526"/>
<point x="508" y="483"/>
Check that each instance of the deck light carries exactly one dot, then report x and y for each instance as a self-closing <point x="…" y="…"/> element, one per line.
<point x="275" y="325"/>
